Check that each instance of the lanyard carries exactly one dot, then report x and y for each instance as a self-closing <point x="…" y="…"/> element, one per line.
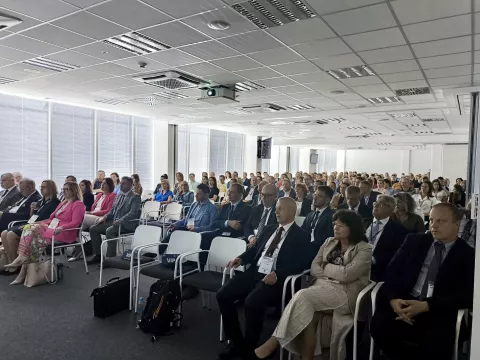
<point x="373" y="237"/>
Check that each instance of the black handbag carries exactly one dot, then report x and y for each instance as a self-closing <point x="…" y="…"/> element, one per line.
<point x="111" y="298"/>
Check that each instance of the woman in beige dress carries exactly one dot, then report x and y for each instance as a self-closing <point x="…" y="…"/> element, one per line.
<point x="341" y="270"/>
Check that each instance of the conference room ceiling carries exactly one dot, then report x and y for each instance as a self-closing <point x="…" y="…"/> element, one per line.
<point x="59" y="52"/>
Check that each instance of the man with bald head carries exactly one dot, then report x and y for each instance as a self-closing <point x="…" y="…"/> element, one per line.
<point x="281" y="250"/>
<point x="11" y="193"/>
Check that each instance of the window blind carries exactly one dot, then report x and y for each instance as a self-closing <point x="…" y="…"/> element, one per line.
<point x="294" y="160"/>
<point x="182" y="150"/>
<point x="143" y="164"/>
<point x="72" y="143"/>
<point x="235" y="152"/>
<point x="282" y="160"/>
<point x="24" y="137"/>
<point x="198" y="151"/>
<point x="218" y="149"/>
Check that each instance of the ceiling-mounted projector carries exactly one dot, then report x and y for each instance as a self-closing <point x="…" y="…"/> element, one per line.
<point x="218" y="95"/>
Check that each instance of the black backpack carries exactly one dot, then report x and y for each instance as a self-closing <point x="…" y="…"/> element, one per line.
<point x="160" y="315"/>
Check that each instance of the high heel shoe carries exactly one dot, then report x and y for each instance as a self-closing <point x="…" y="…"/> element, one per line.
<point x="21" y="276"/>
<point x="19" y="261"/>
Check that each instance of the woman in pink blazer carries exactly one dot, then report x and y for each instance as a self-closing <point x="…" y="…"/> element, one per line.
<point x="102" y="205"/>
<point x="69" y="214"/>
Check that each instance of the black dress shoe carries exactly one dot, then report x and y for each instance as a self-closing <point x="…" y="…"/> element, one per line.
<point x="96" y="259"/>
<point x="230" y="352"/>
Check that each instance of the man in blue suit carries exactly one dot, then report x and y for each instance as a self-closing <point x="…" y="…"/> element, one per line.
<point x="287" y="190"/>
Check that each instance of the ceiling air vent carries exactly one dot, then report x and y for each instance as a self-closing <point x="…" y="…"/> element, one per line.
<point x="262" y="108"/>
<point x="270" y="13"/>
<point x="136" y="43"/>
<point x="112" y="101"/>
<point x="171" y="95"/>
<point x="384" y="100"/>
<point x="171" y="80"/>
<point x="150" y="100"/>
<point x="4" y="80"/>
<point x="50" y="64"/>
<point x="412" y="91"/>
<point x="300" y="107"/>
<point x="384" y="144"/>
<point x="351" y="72"/>
<point x="433" y="120"/>
<point x="443" y="133"/>
<point x="7" y="21"/>
<point x="356" y="127"/>
<point x="247" y="86"/>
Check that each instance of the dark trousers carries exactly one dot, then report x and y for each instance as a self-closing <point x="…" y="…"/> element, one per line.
<point x="258" y="296"/>
<point x="430" y="337"/>
<point x="111" y="232"/>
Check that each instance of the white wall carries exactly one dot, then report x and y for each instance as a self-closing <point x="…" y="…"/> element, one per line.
<point x="304" y="159"/>
<point x="455" y="158"/>
<point x="161" y="151"/>
<point x="341" y="160"/>
<point x="420" y="161"/>
<point x="250" y="154"/>
<point x="375" y="161"/>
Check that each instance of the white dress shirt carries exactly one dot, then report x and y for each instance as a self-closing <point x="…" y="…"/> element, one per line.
<point x="320" y="212"/>
<point x="424" y="205"/>
<point x="355" y="208"/>
<point x="286" y="228"/>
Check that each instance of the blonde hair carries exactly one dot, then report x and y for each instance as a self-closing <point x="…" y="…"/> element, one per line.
<point x="51" y="189"/>
<point x="77" y="193"/>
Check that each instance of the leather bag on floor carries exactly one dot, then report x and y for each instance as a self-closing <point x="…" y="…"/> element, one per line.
<point x="111" y="298"/>
<point x="39" y="273"/>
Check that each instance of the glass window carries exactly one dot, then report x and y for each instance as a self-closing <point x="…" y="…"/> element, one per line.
<point x="143" y="165"/>
<point x="274" y="160"/>
<point x="198" y="159"/>
<point x="218" y="150"/>
<point x="235" y="153"/>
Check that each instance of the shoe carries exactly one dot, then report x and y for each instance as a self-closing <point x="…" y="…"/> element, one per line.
<point x="10" y="273"/>
<point x="230" y="352"/>
<point x="75" y="258"/>
<point x="96" y="259"/>
<point x="18" y="262"/>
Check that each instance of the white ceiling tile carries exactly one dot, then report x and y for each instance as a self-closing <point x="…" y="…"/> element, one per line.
<point x="323" y="7"/>
<point x="408" y="84"/>
<point x="322" y="48"/>
<point x="13" y="54"/>
<point x="411" y="11"/>
<point x="27" y="22"/>
<point x="87" y="74"/>
<point x="446" y="60"/>
<point x="90" y="25"/>
<point x="237" y="63"/>
<point x="4" y="62"/>
<point x="307" y="96"/>
<point x="113" y="69"/>
<point x="477" y="42"/>
<point x="324" y="85"/>
<point x="181" y="8"/>
<point x="402" y="76"/>
<point x="210" y="50"/>
<point x="83" y="3"/>
<point x="448" y="71"/>
<point x="302" y="31"/>
<point x="202" y="69"/>
<point x="364" y="80"/>
<point x="337" y="62"/>
<point x="395" y="67"/>
<point x="275" y="82"/>
<point x="258" y="74"/>
<point x="173" y="57"/>
<point x="362" y="19"/>
<point x="370" y="88"/>
<point x="57" y="36"/>
<point x="318" y="76"/>
<point x="251" y="42"/>
<point x="130" y="13"/>
<point x="375" y="39"/>
<point x="50" y="9"/>
<point x="20" y="42"/>
<point x="439" y="29"/>
<point x="174" y="34"/>
<point x="105" y="84"/>
<point x="238" y="24"/>
<point x="292" y="89"/>
<point x="281" y="55"/>
<point x="451" y="80"/>
<point x="385" y="55"/>
<point x="136" y="90"/>
<point x="443" y="47"/>
<point x="74" y="58"/>
<point x="133" y="62"/>
<point x="299" y="67"/>
<point x="30" y="70"/>
<point x="225" y="78"/>
<point x="476" y="68"/>
<point x="104" y="51"/>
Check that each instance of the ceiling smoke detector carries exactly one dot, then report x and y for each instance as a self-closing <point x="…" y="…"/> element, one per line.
<point x="219" y="25"/>
<point x="7" y="21"/>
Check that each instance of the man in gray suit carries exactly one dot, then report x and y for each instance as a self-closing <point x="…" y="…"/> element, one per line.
<point x="124" y="215"/>
<point x="11" y="194"/>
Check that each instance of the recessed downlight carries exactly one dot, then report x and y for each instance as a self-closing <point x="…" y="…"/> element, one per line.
<point x="219" y="25"/>
<point x="337" y="92"/>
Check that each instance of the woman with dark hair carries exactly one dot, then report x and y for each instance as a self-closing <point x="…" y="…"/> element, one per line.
<point x="425" y="200"/>
<point x="440" y="194"/>
<point x="214" y="191"/>
<point x="159" y="185"/>
<point x="103" y="203"/>
<point x="86" y="189"/>
<point x="179" y="179"/>
<point x="304" y="204"/>
<point x="116" y="182"/>
<point x="457" y="196"/>
<point x="205" y="180"/>
<point x="341" y="270"/>
<point x="405" y="213"/>
<point x="137" y="186"/>
<point x="228" y="177"/>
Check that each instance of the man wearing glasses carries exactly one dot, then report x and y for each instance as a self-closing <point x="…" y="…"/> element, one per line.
<point x="385" y="235"/>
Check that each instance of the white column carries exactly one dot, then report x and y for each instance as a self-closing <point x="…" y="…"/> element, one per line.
<point x="437" y="161"/>
<point x="405" y="162"/>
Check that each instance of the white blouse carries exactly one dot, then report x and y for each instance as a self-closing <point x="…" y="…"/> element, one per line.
<point x="424" y="205"/>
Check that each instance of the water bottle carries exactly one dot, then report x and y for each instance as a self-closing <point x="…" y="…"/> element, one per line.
<point x="140" y="308"/>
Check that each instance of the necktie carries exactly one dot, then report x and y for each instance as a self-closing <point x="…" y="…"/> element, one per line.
<point x="276" y="240"/>
<point x="314" y="221"/>
<point x="263" y="221"/>
<point x="374" y="231"/>
<point x="434" y="267"/>
<point x="4" y="194"/>
<point x="366" y="200"/>
<point x="230" y="211"/>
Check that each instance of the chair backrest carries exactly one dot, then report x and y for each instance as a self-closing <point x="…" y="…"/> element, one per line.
<point x="150" y="206"/>
<point x="299" y="220"/>
<point x="222" y="250"/>
<point x="174" y="211"/>
<point x="184" y="241"/>
<point x="145" y="234"/>
<point x="147" y="194"/>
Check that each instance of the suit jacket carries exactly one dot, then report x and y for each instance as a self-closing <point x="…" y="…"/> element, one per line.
<point x="306" y="207"/>
<point x="128" y="211"/>
<point x="292" y="194"/>
<point x="46" y="209"/>
<point x="255" y="200"/>
<point x="70" y="218"/>
<point x="255" y="217"/>
<point x="323" y="230"/>
<point x="106" y="204"/>
<point x="364" y="211"/>
<point x="23" y="212"/>
<point x="390" y="241"/>
<point x="454" y="283"/>
<point x="371" y="199"/>
<point x="241" y="213"/>
<point x="254" y="195"/>
<point x="11" y="198"/>
<point x="292" y="257"/>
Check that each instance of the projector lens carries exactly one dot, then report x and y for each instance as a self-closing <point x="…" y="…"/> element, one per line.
<point x="211" y="92"/>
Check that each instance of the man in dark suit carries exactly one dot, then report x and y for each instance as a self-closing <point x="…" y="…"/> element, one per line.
<point x="352" y="195"/>
<point x="310" y="187"/>
<point x="287" y="190"/>
<point x="430" y="278"/>
<point x="257" y="199"/>
<point x="10" y="194"/>
<point x="367" y="196"/>
<point x="20" y="210"/>
<point x="280" y="251"/>
<point x="385" y="235"/>
<point x="252" y="190"/>
<point x="319" y="223"/>
<point x="262" y="215"/>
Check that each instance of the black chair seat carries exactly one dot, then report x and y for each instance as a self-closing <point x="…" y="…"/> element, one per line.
<point x="163" y="272"/>
<point x="118" y="263"/>
<point x="206" y="280"/>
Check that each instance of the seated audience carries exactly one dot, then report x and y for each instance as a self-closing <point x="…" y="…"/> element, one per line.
<point x="245" y="180"/>
<point x="457" y="196"/>
<point x="405" y="213"/>
<point x="443" y="183"/>
<point x="430" y="278"/>
<point x="102" y="205"/>
<point x="287" y="190"/>
<point x="228" y="177"/>
<point x="279" y="252"/>
<point x="123" y="216"/>
<point x="367" y="196"/>
<point x="352" y="196"/>
<point x="21" y="209"/>
<point x="252" y="191"/>
<point x="97" y="183"/>
<point x="116" y="182"/>
<point x="192" y="184"/>
<point x="212" y="184"/>
<point x="310" y="186"/>
<point x="341" y="199"/>
<point x="184" y="195"/>
<point x="164" y="196"/>
<point x="34" y="239"/>
<point x="257" y="198"/>
<point x="424" y="200"/>
<point x="262" y="215"/>
<point x="468" y="226"/>
<point x="222" y="186"/>
<point x="385" y="235"/>
<point x="18" y="177"/>
<point x="319" y="222"/>
<point x="10" y="194"/>
<point x="406" y="185"/>
<point x="438" y="192"/>
<point x="340" y="270"/>
<point x="41" y="209"/>
<point x="304" y="204"/>
<point x="159" y="185"/>
<point x="87" y="195"/>
<point x="69" y="178"/>
<point x="137" y="186"/>
<point x="179" y="179"/>
<point x="335" y="196"/>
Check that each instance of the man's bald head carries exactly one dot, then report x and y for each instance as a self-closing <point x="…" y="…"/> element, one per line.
<point x="286" y="210"/>
<point x="261" y="185"/>
<point x="8" y="180"/>
<point x="269" y="195"/>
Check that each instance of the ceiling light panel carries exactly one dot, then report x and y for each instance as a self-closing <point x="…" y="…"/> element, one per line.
<point x="248" y="86"/>
<point x="384" y="100"/>
<point x="112" y="101"/>
<point x="4" y="80"/>
<point x="402" y="115"/>
<point x="300" y="107"/>
<point x="50" y="64"/>
<point x="351" y="72"/>
<point x="136" y="43"/>
<point x="150" y="100"/>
